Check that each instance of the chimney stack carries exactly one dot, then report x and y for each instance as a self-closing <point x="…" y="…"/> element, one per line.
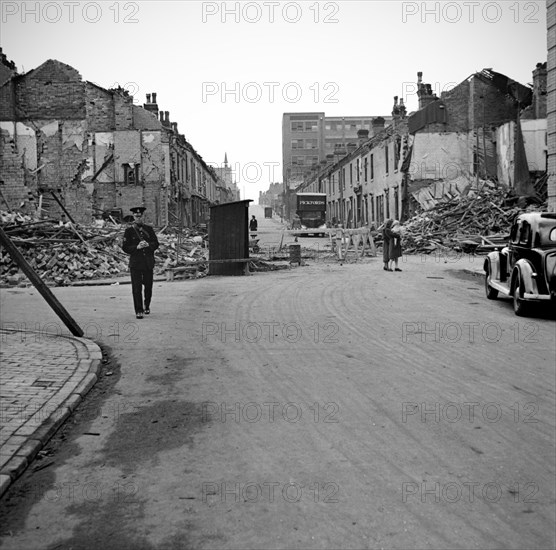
<point x="362" y="136"/>
<point x="151" y="104"/>
<point x="351" y="147"/>
<point x="378" y="125"/>
<point x="395" y="109"/>
<point x="403" y="110"/>
<point x="424" y="92"/>
<point x="539" y="91"/>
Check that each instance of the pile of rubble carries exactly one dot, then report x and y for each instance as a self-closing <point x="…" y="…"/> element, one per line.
<point x="179" y="250"/>
<point x="476" y="222"/>
<point x="62" y="253"/>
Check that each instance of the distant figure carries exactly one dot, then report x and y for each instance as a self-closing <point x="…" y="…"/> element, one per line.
<point x="253" y="225"/>
<point x="386" y="244"/>
<point x="395" y="250"/>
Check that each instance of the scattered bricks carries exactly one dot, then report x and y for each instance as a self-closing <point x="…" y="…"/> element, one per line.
<point x="100" y="256"/>
<point x="51" y="263"/>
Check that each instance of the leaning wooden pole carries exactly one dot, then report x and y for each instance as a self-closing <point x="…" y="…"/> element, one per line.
<point x="38" y="283"/>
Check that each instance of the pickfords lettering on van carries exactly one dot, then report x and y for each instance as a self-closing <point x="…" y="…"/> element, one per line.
<point x="311" y="209"/>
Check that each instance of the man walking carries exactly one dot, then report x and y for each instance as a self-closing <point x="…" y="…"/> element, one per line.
<point x="140" y="242"/>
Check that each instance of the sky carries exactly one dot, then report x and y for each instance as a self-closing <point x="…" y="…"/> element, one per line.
<point x="227" y="71"/>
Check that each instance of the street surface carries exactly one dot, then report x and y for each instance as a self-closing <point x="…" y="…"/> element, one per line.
<point x="325" y="406"/>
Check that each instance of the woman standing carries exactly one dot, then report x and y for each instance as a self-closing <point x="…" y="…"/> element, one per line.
<point x="395" y="250"/>
<point x="386" y="244"/>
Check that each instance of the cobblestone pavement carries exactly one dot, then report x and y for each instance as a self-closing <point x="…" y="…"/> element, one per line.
<point x="43" y="378"/>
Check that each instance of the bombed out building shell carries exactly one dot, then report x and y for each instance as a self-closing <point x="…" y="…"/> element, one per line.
<point x="96" y="151"/>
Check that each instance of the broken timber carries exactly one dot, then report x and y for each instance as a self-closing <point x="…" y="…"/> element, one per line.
<point x="38" y="283"/>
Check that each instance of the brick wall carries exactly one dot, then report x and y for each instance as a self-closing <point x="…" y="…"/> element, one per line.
<point x="53" y="90"/>
<point x="467" y="109"/>
<point x="7" y="101"/>
<point x="456" y="101"/>
<point x="123" y="111"/>
<point x="70" y="128"/>
<point x="18" y="161"/>
<point x="99" y="109"/>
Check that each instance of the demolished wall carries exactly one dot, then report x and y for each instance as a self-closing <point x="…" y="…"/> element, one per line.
<point x="534" y="137"/>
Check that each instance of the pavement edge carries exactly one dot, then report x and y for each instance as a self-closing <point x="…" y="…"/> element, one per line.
<point x="73" y="395"/>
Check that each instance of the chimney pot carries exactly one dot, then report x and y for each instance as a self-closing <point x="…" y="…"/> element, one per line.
<point x="161" y="116"/>
<point x="154" y="97"/>
<point x="378" y="124"/>
<point x="167" y="116"/>
<point x="148" y="98"/>
<point x="362" y="136"/>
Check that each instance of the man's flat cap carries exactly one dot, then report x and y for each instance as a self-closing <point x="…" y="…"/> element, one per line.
<point x="140" y="209"/>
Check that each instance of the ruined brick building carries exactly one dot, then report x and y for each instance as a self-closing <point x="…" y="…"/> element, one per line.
<point x="487" y="127"/>
<point x="90" y="148"/>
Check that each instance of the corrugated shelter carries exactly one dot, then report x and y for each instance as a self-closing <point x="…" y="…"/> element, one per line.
<point x="229" y="238"/>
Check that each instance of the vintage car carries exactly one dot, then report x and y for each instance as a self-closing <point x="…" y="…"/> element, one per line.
<point x="525" y="269"/>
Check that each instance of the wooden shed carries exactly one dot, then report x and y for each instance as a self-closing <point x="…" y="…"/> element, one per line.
<point x="229" y="238"/>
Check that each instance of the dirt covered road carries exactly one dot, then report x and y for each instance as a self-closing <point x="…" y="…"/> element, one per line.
<point x="326" y="406"/>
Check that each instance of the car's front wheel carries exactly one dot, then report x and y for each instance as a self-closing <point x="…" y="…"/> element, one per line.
<point x="491" y="293"/>
<point x="521" y="307"/>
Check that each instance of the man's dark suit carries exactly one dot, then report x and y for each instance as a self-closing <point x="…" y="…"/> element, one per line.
<point x="141" y="262"/>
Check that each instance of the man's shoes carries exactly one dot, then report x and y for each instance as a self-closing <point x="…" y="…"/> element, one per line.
<point x="397" y="269"/>
<point x="147" y="311"/>
<point x="138" y="315"/>
<point x="385" y="268"/>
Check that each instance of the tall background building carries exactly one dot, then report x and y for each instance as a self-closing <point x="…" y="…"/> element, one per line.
<point x="309" y="138"/>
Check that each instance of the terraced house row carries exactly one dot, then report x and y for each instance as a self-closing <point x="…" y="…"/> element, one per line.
<point x="487" y="128"/>
<point x="71" y="142"/>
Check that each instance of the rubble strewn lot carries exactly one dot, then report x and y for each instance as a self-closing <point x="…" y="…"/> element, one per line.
<point x="63" y="254"/>
<point x="476" y="222"/>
